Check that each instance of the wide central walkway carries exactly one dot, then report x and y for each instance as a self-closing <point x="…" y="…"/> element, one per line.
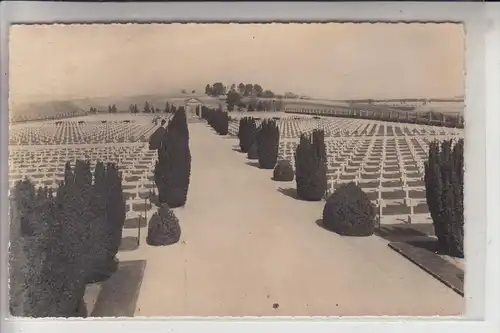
<point x="249" y="250"/>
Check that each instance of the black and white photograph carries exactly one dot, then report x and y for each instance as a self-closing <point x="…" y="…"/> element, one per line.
<point x="207" y="169"/>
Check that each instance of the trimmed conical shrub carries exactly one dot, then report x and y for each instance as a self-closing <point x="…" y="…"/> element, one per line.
<point x="283" y="171"/>
<point x="173" y="168"/>
<point x="444" y="193"/>
<point x="179" y="124"/>
<point x="164" y="228"/>
<point x="217" y="119"/>
<point x="246" y="133"/>
<point x="268" y="139"/>
<point x="222" y="123"/>
<point x="115" y="214"/>
<point x="310" y="167"/>
<point x="44" y="273"/>
<point x="105" y="218"/>
<point x="433" y="186"/>
<point x="156" y="138"/>
<point x="98" y="227"/>
<point x="253" y="153"/>
<point x="349" y="212"/>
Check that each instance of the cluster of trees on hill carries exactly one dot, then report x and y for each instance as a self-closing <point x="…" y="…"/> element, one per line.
<point x="233" y="100"/>
<point x="247" y="95"/>
<point x="243" y="89"/>
<point x="111" y="109"/>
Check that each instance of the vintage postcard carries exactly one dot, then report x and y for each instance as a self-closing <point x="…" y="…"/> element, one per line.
<point x="236" y="170"/>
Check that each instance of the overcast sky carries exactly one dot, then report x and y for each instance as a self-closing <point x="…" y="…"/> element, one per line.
<point x="334" y="61"/>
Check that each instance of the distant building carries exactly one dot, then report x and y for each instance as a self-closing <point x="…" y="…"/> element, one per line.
<point x="190" y="104"/>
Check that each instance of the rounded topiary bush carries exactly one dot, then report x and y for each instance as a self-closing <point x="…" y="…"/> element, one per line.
<point x="349" y="212"/>
<point x="164" y="228"/>
<point x="283" y="171"/>
<point x="253" y="153"/>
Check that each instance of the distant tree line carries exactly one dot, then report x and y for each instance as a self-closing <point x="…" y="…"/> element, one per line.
<point x="243" y="89"/>
<point x="112" y="108"/>
<point x="150" y="108"/>
<point x="235" y="94"/>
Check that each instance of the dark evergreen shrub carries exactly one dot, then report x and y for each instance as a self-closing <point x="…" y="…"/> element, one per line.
<point x="101" y="248"/>
<point x="457" y="178"/>
<point x="164" y="228"/>
<point x="310" y="166"/>
<point x="115" y="214"/>
<point x="179" y="123"/>
<point x="253" y="153"/>
<point x="223" y="123"/>
<point x="43" y="275"/>
<point x="433" y="186"/>
<point x="444" y="194"/>
<point x="96" y="219"/>
<point x="217" y="119"/>
<point x="349" y="212"/>
<point x="283" y="171"/>
<point x="173" y="167"/>
<point x="268" y="139"/>
<point x="25" y="253"/>
<point x="246" y="133"/>
<point x="156" y="138"/>
<point x="241" y="130"/>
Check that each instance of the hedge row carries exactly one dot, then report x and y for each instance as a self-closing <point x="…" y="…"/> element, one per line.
<point x="218" y="119"/>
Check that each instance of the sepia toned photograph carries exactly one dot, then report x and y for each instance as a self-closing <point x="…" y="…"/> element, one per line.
<point x="161" y="170"/>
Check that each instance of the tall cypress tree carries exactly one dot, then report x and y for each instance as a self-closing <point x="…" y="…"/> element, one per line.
<point x="268" y="139"/>
<point x="458" y="192"/>
<point x="44" y="283"/>
<point x="310" y="165"/>
<point x="22" y="250"/>
<point x="115" y="213"/>
<point x="433" y="187"/>
<point x="173" y="170"/>
<point x="246" y="133"/>
<point x="444" y="194"/>
<point x="98" y="228"/>
<point x="71" y="206"/>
